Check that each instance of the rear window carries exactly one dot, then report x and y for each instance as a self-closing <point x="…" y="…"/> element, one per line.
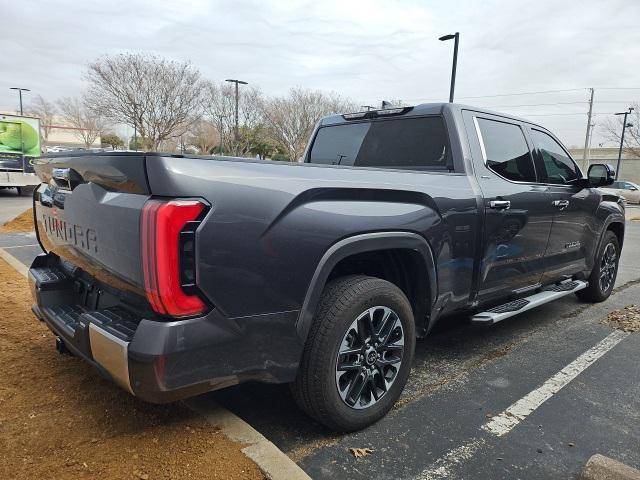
<point x="411" y="143"/>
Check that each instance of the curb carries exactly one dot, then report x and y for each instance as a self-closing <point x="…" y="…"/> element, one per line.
<point x="600" y="467"/>
<point x="20" y="267"/>
<point x="273" y="463"/>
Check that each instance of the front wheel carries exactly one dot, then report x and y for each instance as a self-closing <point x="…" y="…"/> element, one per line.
<point x="605" y="270"/>
<point x="358" y="354"/>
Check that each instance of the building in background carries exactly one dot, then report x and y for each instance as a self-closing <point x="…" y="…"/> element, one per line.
<point x="629" y="165"/>
<point x="61" y="135"/>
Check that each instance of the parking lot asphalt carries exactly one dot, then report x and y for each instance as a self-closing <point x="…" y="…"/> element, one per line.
<point x="12" y="204"/>
<point x="462" y="377"/>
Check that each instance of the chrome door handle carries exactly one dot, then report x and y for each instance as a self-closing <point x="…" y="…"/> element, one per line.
<point x="500" y="204"/>
<point x="561" y="204"/>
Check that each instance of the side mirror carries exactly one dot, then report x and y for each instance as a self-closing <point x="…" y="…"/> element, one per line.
<point x="601" y="175"/>
<point x="633" y="189"/>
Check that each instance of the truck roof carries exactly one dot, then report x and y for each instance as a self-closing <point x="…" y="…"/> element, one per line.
<point x="432" y="109"/>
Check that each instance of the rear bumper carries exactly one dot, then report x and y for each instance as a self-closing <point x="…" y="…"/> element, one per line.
<point x="164" y="361"/>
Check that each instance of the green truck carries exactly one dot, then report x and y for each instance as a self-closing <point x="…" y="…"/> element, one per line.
<point x="19" y="145"/>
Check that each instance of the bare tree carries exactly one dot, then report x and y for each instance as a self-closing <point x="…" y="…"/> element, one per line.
<point x="45" y="111"/>
<point x="219" y="106"/>
<point x="160" y="98"/>
<point x="204" y="136"/>
<point x="612" y="129"/>
<point x="291" y="118"/>
<point x="87" y="124"/>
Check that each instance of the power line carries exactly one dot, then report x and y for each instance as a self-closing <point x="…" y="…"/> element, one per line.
<point x="559" y="114"/>
<point x="538" y="104"/>
<point x="509" y="94"/>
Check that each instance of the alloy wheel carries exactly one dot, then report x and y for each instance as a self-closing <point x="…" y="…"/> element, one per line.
<point x="370" y="357"/>
<point x="608" y="267"/>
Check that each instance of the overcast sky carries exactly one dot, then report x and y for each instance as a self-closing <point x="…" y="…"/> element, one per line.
<point x="366" y="50"/>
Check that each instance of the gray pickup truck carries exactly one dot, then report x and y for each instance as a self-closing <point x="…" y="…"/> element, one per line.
<point x="175" y="275"/>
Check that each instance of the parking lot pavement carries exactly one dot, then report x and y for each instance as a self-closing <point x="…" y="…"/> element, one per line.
<point x="462" y="377"/>
<point x="12" y="204"/>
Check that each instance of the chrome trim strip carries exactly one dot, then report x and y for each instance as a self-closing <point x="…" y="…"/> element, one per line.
<point x="479" y="133"/>
<point x="111" y="353"/>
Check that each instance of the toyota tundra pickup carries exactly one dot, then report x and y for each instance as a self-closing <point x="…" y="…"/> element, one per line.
<point x="175" y="275"/>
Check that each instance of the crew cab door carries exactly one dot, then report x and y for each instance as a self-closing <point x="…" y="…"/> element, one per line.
<point x="575" y="232"/>
<point x="518" y="210"/>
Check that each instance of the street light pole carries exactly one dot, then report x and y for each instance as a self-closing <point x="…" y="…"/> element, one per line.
<point x="237" y="82"/>
<point x="135" y="126"/>
<point x="456" y="38"/>
<point x="624" y="126"/>
<point x="20" y="90"/>
<point x="221" y="131"/>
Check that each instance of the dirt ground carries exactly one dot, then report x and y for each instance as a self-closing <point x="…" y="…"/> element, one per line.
<point x="22" y="223"/>
<point x="60" y="420"/>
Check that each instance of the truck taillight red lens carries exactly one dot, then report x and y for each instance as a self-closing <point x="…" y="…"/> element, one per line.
<point x="164" y="224"/>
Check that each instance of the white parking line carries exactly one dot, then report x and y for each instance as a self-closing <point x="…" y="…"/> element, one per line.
<point x="441" y="468"/>
<point x="503" y="423"/>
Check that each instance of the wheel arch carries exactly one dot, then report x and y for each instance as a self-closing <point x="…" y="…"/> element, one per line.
<point x="380" y="245"/>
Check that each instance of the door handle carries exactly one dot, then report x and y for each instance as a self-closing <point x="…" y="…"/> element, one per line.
<point x="500" y="204"/>
<point x="561" y="204"/>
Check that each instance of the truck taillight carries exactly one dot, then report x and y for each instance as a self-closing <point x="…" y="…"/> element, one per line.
<point x="168" y="256"/>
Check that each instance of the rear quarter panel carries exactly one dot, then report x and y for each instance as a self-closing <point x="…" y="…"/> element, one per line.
<point x="270" y="223"/>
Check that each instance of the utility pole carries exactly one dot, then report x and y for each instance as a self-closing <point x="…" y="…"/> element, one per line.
<point x="624" y="126"/>
<point x="221" y="131"/>
<point x="585" y="159"/>
<point x="20" y="90"/>
<point x="456" y="37"/>
<point x="237" y="82"/>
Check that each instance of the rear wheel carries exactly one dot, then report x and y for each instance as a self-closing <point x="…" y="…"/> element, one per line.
<point x="605" y="270"/>
<point x="358" y="354"/>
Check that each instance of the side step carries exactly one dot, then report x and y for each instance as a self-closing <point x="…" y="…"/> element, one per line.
<point x="549" y="294"/>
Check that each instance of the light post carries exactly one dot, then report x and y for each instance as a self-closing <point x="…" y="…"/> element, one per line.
<point x="237" y="82"/>
<point x="456" y="37"/>
<point x="135" y="125"/>
<point x="221" y="131"/>
<point x="624" y="126"/>
<point x="20" y="90"/>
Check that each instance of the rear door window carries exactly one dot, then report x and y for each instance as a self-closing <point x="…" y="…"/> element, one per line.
<point x="405" y="143"/>
<point x="505" y="150"/>
<point x="557" y="166"/>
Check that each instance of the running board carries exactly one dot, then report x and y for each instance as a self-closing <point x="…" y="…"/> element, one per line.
<point x="549" y="294"/>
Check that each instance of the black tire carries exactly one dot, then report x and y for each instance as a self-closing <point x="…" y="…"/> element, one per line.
<point x="342" y="305"/>
<point x="598" y="291"/>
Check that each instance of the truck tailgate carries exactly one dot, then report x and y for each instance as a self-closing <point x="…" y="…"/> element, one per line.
<point x="88" y="212"/>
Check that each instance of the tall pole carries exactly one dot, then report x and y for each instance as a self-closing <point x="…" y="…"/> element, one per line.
<point x="221" y="131"/>
<point x="624" y="126"/>
<point x="585" y="160"/>
<point x="20" y="90"/>
<point x="456" y="38"/>
<point x="453" y="68"/>
<point x="237" y="82"/>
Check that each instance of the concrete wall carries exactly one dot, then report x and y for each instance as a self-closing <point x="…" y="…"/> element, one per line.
<point x="629" y="165"/>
